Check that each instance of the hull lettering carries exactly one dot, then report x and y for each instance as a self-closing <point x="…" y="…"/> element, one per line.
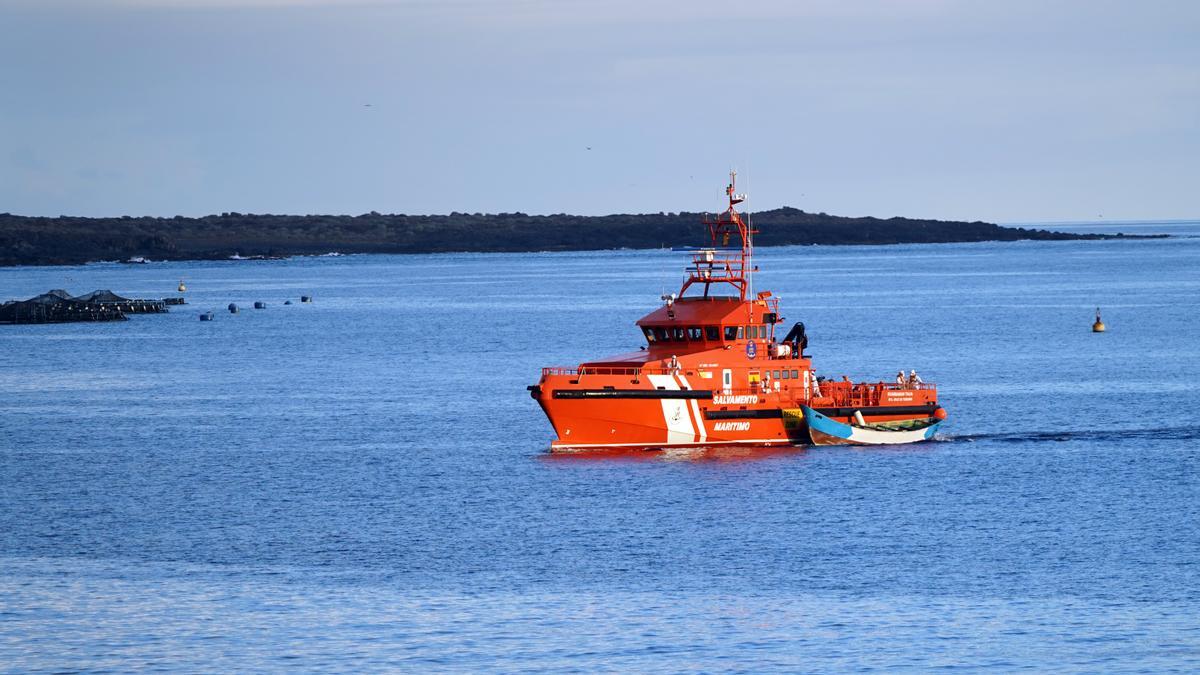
<point x="735" y="400"/>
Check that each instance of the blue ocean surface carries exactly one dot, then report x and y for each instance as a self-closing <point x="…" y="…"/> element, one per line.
<point x="363" y="483"/>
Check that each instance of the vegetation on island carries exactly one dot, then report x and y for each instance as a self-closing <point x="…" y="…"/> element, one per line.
<point x="26" y="240"/>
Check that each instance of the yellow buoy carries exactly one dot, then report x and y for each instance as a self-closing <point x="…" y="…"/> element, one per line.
<point x="182" y="287"/>
<point x="1098" y="327"/>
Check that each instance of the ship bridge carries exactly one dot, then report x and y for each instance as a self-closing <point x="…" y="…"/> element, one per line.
<point x="714" y="322"/>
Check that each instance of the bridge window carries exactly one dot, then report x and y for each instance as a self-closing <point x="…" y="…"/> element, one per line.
<point x="664" y="334"/>
<point x="731" y="332"/>
<point x="694" y="333"/>
<point x="712" y="333"/>
<point x="739" y="332"/>
<point x="649" y="334"/>
<point x="678" y="334"/>
<point x="795" y="374"/>
<point x="785" y="374"/>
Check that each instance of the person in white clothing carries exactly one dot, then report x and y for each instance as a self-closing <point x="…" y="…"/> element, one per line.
<point x="914" y="379"/>
<point x="901" y="380"/>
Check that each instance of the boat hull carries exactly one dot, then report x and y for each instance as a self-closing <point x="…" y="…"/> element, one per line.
<point x="667" y="411"/>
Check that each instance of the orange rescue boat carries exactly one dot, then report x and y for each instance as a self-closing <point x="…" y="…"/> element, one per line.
<point x="713" y="373"/>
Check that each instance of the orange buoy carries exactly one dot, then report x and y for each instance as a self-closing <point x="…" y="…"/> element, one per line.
<point x="1098" y="327"/>
<point x="940" y="413"/>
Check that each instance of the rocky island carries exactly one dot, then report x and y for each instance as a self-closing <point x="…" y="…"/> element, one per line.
<point x="63" y="240"/>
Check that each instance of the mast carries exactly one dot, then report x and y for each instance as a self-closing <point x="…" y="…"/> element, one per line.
<point x="720" y="263"/>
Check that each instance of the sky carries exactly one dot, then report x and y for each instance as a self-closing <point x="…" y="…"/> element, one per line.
<point x="1014" y="111"/>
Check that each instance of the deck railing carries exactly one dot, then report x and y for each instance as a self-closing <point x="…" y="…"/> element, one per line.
<point x="608" y="370"/>
<point x="843" y="393"/>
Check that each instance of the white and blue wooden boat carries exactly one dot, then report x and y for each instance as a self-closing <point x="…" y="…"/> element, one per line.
<point x="823" y="430"/>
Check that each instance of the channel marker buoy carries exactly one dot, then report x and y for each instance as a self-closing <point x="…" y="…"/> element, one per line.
<point x="182" y="287"/>
<point x="1098" y="327"/>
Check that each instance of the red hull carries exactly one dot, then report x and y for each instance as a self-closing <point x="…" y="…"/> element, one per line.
<point x="632" y="411"/>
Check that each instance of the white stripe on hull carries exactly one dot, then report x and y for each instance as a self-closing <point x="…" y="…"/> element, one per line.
<point x="676" y="414"/>
<point x="701" y="432"/>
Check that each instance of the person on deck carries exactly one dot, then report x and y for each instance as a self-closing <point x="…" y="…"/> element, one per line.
<point x="901" y="379"/>
<point x="914" y="379"/>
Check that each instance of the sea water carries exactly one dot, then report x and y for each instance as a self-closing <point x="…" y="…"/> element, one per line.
<point x="363" y="483"/>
